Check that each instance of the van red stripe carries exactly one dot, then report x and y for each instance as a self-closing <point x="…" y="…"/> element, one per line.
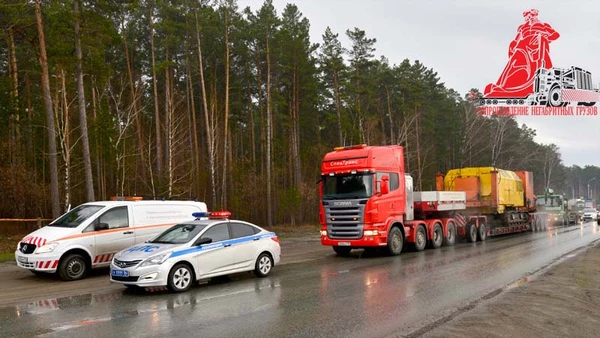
<point x="96" y="259"/>
<point x="55" y="264"/>
<point x="47" y="264"/>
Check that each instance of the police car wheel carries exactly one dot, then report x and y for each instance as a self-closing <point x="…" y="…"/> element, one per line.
<point x="180" y="278"/>
<point x="72" y="267"/>
<point x="263" y="266"/>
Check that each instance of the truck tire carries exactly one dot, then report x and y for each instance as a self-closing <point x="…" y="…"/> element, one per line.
<point x="342" y="250"/>
<point x="451" y="238"/>
<point x="481" y="232"/>
<point x="554" y="97"/>
<point x="420" y="238"/>
<point x="73" y="267"/>
<point x="471" y="233"/>
<point x="395" y="242"/>
<point x="438" y="236"/>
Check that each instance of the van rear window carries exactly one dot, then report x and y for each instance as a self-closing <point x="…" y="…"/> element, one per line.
<point x="75" y="217"/>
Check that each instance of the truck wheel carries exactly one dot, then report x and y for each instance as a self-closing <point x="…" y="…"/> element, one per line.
<point x="481" y="232"/>
<point x="438" y="236"/>
<point x="72" y="267"/>
<point x="180" y="278"/>
<point x="342" y="250"/>
<point x="471" y="233"/>
<point x="451" y="238"/>
<point x="420" y="239"/>
<point x="554" y="97"/>
<point x="395" y="242"/>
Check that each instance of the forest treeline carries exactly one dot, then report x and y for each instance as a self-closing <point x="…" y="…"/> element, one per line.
<point x="205" y="100"/>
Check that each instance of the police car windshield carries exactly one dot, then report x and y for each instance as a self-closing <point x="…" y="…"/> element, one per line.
<point x="179" y="234"/>
<point x="78" y="215"/>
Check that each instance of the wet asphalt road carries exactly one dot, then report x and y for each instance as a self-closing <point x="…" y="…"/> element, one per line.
<point x="358" y="296"/>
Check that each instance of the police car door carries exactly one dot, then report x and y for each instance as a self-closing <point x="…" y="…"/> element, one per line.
<point x="111" y="233"/>
<point x="246" y="245"/>
<point x="216" y="257"/>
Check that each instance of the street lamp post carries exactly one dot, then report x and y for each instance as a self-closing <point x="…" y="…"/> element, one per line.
<point x="588" y="194"/>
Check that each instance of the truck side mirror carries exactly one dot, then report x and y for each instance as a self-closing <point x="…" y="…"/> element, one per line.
<point x="383" y="185"/>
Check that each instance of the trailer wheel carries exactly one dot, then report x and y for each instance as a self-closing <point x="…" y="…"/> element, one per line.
<point x="438" y="236"/>
<point x="471" y="233"/>
<point x="420" y="238"/>
<point x="395" y="242"/>
<point x="481" y="232"/>
<point x="451" y="238"/>
<point x="342" y="250"/>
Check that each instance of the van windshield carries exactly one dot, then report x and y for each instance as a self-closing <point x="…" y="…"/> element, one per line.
<point x="75" y="217"/>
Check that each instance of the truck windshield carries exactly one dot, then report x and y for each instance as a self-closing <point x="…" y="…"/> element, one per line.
<point x="348" y="186"/>
<point x="75" y="217"/>
<point x="550" y="201"/>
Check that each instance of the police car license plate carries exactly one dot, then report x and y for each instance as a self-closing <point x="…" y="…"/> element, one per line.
<point x="23" y="259"/>
<point x="344" y="243"/>
<point x="120" y="273"/>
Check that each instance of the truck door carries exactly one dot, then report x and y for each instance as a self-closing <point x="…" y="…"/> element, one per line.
<point x="112" y="233"/>
<point x="390" y="204"/>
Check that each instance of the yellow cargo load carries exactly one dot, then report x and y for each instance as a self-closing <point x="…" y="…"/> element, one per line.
<point x="489" y="189"/>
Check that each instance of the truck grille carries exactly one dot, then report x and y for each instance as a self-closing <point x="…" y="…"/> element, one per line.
<point x="344" y="219"/>
<point x="125" y="264"/>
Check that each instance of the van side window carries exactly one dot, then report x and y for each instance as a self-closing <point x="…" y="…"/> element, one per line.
<point x="115" y="218"/>
<point x="392" y="183"/>
<point x="218" y="233"/>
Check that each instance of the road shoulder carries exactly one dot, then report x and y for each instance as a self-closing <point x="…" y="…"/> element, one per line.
<point x="564" y="301"/>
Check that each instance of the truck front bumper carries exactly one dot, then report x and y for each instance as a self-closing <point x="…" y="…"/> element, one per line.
<point x="364" y="242"/>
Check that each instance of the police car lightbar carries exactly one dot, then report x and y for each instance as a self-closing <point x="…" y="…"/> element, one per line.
<point x="214" y="214"/>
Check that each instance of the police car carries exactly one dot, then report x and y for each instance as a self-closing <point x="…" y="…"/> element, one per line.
<point x="211" y="245"/>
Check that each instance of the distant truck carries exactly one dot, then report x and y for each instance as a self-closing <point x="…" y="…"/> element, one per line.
<point x="555" y="206"/>
<point x="575" y="207"/>
<point x="368" y="202"/>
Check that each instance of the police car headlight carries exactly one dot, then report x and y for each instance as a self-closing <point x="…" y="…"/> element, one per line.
<point x="156" y="259"/>
<point x="46" y="248"/>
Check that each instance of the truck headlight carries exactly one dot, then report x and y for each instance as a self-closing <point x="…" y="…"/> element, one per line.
<point x="323" y="232"/>
<point x="156" y="259"/>
<point x="371" y="232"/>
<point x="46" y="248"/>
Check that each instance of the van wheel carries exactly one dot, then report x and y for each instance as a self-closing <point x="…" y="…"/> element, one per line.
<point x="180" y="278"/>
<point x="73" y="267"/>
<point x="263" y="266"/>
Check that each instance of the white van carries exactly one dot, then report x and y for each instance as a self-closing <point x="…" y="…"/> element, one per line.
<point x="89" y="235"/>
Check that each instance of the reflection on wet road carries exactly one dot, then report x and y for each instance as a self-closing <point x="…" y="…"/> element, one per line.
<point x="358" y="296"/>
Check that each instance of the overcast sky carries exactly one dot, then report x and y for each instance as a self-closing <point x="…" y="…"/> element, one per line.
<point x="466" y="43"/>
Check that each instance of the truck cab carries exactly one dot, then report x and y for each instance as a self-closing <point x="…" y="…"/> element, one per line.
<point x="364" y="193"/>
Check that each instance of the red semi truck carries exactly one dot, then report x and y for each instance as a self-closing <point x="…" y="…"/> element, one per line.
<point x="367" y="201"/>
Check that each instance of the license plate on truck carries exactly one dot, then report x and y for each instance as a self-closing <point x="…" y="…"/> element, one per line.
<point x="343" y="243"/>
<point x="120" y="273"/>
